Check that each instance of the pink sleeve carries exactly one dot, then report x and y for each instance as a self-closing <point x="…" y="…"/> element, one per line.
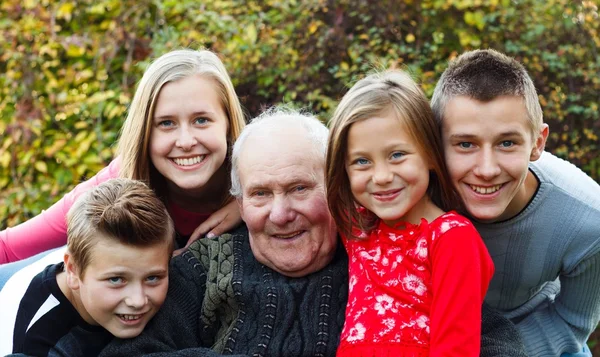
<point x="48" y="229"/>
<point x="461" y="271"/>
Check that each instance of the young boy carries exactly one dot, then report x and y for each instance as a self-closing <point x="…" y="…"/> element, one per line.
<point x="538" y="215"/>
<point x="113" y="280"/>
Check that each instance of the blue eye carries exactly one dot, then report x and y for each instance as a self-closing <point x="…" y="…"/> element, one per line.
<point x="115" y="280"/>
<point x="361" y="161"/>
<point x="200" y="121"/>
<point x="465" y="145"/>
<point x="166" y="123"/>
<point x="397" y="155"/>
<point x="153" y="279"/>
<point x="300" y="188"/>
<point x="507" y="143"/>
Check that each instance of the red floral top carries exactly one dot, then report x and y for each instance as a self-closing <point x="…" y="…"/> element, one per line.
<point x="416" y="290"/>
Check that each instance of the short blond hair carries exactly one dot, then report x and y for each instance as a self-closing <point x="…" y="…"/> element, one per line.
<point x="133" y="146"/>
<point x="485" y="75"/>
<point x="378" y="93"/>
<point x="122" y="209"/>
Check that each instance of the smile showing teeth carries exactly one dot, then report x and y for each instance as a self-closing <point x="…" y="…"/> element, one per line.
<point x="485" y="190"/>
<point x="130" y="317"/>
<point x="189" y="161"/>
<point x="285" y="236"/>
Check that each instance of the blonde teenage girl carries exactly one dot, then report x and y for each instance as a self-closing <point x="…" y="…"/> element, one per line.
<point x="181" y="124"/>
<point x="418" y="273"/>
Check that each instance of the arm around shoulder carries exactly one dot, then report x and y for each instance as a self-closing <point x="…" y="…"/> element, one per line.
<point x="48" y="229"/>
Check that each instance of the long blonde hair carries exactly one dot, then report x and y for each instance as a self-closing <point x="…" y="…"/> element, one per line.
<point x="133" y="146"/>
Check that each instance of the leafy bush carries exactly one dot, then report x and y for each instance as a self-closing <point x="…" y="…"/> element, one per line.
<point x="70" y="68"/>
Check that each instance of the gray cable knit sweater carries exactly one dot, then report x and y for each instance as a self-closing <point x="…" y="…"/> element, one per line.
<point x="222" y="301"/>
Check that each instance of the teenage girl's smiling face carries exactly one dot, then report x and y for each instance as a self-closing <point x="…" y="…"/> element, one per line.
<point x="388" y="175"/>
<point x="188" y="143"/>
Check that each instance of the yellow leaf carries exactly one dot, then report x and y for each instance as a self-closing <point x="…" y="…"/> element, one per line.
<point x="5" y="159"/>
<point x="29" y="4"/>
<point x="57" y="145"/>
<point x="410" y="38"/>
<point x="65" y="11"/>
<point x="41" y="166"/>
<point x="81" y="125"/>
<point x="75" y="51"/>
<point x="344" y="66"/>
<point x="313" y="27"/>
<point x="7" y="143"/>
<point x="251" y="33"/>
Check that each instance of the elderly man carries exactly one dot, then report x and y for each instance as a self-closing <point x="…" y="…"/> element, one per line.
<point x="276" y="286"/>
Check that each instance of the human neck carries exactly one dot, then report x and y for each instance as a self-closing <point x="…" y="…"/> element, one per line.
<point x="73" y="297"/>
<point x="208" y="198"/>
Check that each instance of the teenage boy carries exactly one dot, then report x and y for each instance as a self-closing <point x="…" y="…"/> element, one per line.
<point x="538" y="215"/>
<point x="113" y="279"/>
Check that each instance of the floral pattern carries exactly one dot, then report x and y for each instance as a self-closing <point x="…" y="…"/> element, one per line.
<point x="390" y="282"/>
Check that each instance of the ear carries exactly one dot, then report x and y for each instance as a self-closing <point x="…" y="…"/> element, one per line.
<point x="72" y="272"/>
<point x="240" y="206"/>
<point x="540" y="143"/>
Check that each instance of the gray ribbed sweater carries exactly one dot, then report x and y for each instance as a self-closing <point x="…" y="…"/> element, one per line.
<point x="547" y="260"/>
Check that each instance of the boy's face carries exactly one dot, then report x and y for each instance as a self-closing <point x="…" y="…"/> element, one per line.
<point x="123" y="286"/>
<point x="488" y="146"/>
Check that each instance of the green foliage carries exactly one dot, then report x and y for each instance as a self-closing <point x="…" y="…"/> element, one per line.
<point x="69" y="68"/>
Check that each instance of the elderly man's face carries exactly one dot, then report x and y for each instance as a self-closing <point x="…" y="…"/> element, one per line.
<point x="283" y="202"/>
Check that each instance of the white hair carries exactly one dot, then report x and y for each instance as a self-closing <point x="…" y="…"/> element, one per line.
<point x="279" y="118"/>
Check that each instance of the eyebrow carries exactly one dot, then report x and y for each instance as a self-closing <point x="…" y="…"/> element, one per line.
<point x="511" y="133"/>
<point x="308" y="181"/>
<point x="120" y="272"/>
<point x="194" y="114"/>
<point x="394" y="146"/>
<point x="158" y="271"/>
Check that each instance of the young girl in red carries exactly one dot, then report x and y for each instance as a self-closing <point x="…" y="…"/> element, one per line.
<point x="418" y="272"/>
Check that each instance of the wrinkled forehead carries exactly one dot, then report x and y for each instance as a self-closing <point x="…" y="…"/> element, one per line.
<point x="283" y="157"/>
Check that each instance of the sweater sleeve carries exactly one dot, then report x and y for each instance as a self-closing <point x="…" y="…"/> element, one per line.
<point x="48" y="229"/>
<point x="461" y="271"/>
<point x="565" y="325"/>
<point x="176" y="326"/>
<point x="499" y="336"/>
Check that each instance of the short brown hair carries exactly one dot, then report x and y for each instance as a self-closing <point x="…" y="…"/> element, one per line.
<point x="123" y="209"/>
<point x="394" y="91"/>
<point x="485" y="75"/>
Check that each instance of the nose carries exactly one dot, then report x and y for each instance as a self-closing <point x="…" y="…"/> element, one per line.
<point x="487" y="165"/>
<point x="136" y="297"/>
<point x="382" y="175"/>
<point x="185" y="140"/>
<point x="282" y="211"/>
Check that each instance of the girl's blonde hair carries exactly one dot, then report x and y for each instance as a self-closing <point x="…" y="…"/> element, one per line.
<point x="133" y="146"/>
<point x="390" y="91"/>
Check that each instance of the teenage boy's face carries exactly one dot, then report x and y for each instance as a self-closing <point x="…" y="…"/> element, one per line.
<point x="488" y="146"/>
<point x="123" y="286"/>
